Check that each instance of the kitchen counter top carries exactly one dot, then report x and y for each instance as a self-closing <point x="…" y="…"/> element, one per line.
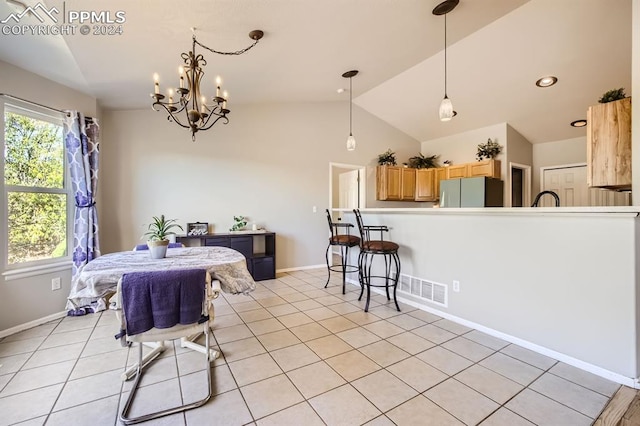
<point x="625" y="210"/>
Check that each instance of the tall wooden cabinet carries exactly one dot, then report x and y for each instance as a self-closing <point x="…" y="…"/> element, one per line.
<point x="609" y="145"/>
<point x="394" y="183"/>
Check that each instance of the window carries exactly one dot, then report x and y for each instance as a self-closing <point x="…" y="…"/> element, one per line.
<point x="36" y="188"/>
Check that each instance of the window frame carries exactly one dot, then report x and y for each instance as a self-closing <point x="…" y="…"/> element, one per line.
<point x="33" y="267"/>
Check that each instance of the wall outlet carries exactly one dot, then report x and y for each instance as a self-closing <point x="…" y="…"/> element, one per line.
<point x="456" y="286"/>
<point x="315" y="209"/>
<point x="55" y="283"/>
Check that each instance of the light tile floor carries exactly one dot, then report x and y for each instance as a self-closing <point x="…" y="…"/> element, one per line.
<point x="295" y="353"/>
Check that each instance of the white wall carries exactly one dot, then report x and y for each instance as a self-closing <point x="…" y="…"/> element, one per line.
<point x="462" y="147"/>
<point x="568" y="151"/>
<point x="269" y="163"/>
<point x="28" y="299"/>
<point x="635" y="93"/>
<point x="562" y="281"/>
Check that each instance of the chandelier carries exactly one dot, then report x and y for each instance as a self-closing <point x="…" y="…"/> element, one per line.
<point x="190" y="109"/>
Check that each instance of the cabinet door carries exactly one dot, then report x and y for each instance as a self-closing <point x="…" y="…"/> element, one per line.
<point x="217" y="241"/>
<point x="488" y="168"/>
<point x="388" y="183"/>
<point x="244" y="245"/>
<point x="425" y="185"/>
<point x="457" y="171"/>
<point x="408" y="184"/>
<point x="609" y="145"/>
<point x="438" y="174"/>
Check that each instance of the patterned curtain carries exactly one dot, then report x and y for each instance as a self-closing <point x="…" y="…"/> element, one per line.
<point x="81" y="137"/>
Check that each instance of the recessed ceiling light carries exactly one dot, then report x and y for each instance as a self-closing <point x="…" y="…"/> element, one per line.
<point x="547" y="81"/>
<point x="579" y="123"/>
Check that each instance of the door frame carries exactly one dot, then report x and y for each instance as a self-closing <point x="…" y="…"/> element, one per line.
<point x="362" y="179"/>
<point x="526" y="183"/>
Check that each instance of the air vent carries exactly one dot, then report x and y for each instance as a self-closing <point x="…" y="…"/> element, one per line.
<point x="426" y="290"/>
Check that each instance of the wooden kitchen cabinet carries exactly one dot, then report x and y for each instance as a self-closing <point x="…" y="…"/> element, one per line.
<point x="394" y="183"/>
<point x="457" y="171"/>
<point x="609" y="145"/>
<point x="428" y="183"/>
<point x="488" y="168"/>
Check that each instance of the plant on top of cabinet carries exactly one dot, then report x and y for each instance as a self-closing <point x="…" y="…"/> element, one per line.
<point x="612" y="95"/>
<point x="488" y="150"/>
<point x="387" y="158"/>
<point x="422" y="162"/>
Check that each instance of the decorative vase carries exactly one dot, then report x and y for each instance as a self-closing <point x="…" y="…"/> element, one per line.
<point x="158" y="248"/>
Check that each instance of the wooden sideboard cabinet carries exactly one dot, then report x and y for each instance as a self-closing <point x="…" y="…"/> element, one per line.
<point x="259" y="248"/>
<point x="394" y="183"/>
<point x="488" y="168"/>
<point x="609" y="145"/>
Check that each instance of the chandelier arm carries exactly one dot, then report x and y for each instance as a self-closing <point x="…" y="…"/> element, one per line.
<point x="237" y="52"/>
<point x="172" y="115"/>
<point x="207" y="127"/>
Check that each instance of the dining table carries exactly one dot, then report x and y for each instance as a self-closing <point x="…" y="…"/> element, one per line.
<point x="97" y="281"/>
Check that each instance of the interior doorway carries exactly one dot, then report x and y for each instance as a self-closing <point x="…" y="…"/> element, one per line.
<point x="519" y="185"/>
<point x="347" y="187"/>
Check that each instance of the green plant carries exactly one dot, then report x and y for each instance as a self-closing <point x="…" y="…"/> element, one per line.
<point x="488" y="150"/>
<point x="239" y="222"/>
<point x="387" y="158"/>
<point x="160" y="228"/>
<point x="422" y="162"/>
<point x="612" y="95"/>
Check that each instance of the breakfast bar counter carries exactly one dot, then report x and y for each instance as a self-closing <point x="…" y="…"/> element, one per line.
<point x="561" y="281"/>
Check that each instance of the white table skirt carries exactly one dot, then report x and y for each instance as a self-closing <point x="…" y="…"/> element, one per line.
<point x="98" y="279"/>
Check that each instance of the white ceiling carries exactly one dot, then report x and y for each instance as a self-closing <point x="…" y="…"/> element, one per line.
<point x="497" y="49"/>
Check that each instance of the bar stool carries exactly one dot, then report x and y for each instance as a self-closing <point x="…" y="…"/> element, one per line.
<point x="341" y="237"/>
<point x="370" y="248"/>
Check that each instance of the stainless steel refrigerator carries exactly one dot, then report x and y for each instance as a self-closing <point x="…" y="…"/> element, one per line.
<point x="471" y="192"/>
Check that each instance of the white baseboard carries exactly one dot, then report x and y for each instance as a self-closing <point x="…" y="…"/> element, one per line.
<point x="598" y="371"/>
<point x="31" y="324"/>
<point x="302" y="268"/>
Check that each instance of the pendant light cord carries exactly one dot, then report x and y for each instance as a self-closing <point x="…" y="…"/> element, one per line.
<point x="350" y="106"/>
<point x="445" y="55"/>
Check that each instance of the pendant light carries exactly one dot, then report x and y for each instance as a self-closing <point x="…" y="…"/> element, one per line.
<point x="351" y="141"/>
<point x="446" y="111"/>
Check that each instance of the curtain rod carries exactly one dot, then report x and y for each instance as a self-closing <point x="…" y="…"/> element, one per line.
<point x="33" y="103"/>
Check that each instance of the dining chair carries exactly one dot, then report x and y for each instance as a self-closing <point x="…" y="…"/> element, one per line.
<point x="340" y="237"/>
<point x="369" y="249"/>
<point x="164" y="305"/>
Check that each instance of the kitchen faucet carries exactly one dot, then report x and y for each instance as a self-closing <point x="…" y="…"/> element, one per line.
<point x="535" y="203"/>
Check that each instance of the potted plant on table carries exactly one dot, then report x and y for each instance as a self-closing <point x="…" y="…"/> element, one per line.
<point x="157" y="233"/>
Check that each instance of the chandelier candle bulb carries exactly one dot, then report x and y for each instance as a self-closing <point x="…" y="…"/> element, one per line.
<point x="226" y="98"/>
<point x="218" y="84"/>
<point x="156" y="84"/>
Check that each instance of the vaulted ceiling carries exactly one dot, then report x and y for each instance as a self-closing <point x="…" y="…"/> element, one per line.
<point x="497" y="49"/>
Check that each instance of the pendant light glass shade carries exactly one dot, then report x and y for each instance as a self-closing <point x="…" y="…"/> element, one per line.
<point x="446" y="109"/>
<point x="351" y="143"/>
